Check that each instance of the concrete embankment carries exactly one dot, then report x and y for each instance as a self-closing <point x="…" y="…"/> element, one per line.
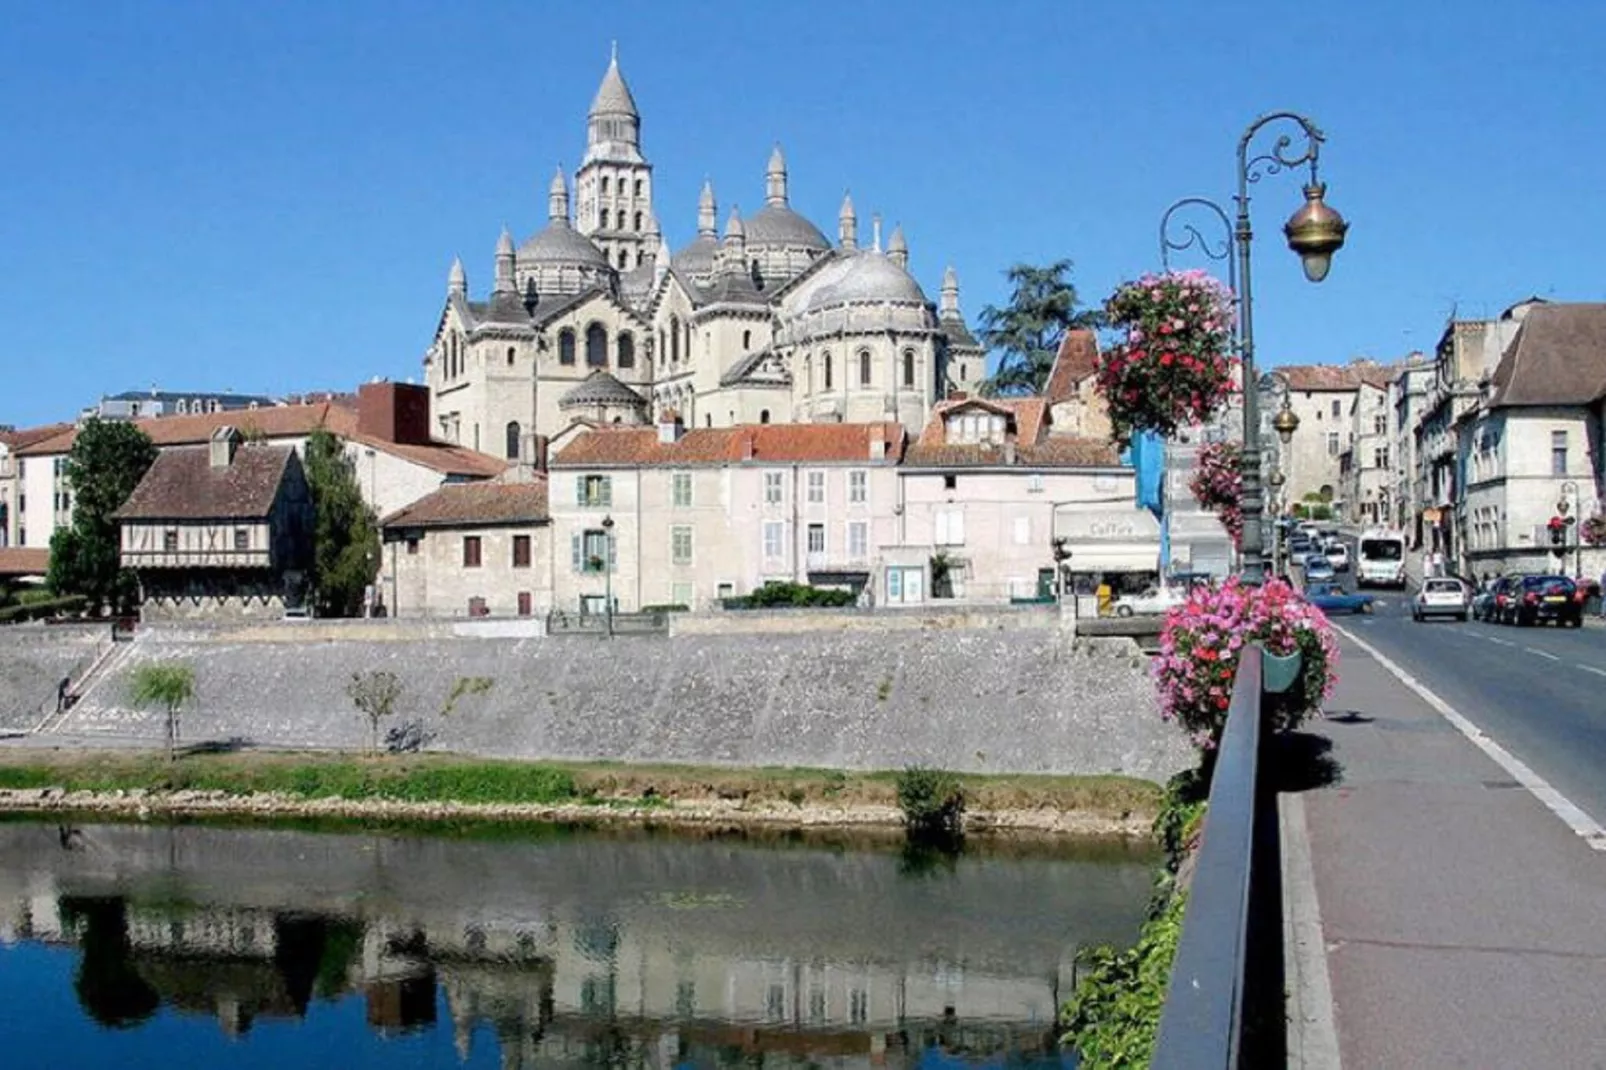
<point x="1021" y="699"/>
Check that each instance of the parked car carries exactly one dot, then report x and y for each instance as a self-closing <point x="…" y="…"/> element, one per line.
<point x="1541" y="599"/>
<point x="1483" y="600"/>
<point x="1153" y="600"/>
<point x="1331" y="598"/>
<point x="1317" y="567"/>
<point x="1338" y="556"/>
<point x="1440" y="597"/>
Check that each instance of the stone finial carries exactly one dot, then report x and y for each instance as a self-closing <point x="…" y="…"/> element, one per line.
<point x="457" y="278"/>
<point x="733" y="226"/>
<point x="775" y="178"/>
<point x="557" y="203"/>
<point x="875" y="233"/>
<point x="504" y="262"/>
<point x="949" y="308"/>
<point x="847" y="225"/>
<point x="707" y="212"/>
<point x="897" y="248"/>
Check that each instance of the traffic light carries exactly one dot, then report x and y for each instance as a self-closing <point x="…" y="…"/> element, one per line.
<point x="1558" y="532"/>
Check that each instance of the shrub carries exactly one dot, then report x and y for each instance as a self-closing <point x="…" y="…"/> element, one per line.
<point x="666" y="607"/>
<point x="783" y="593"/>
<point x="1114" y="1017"/>
<point x="40" y="610"/>
<point x="932" y="800"/>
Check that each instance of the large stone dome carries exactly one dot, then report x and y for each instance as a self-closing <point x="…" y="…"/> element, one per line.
<point x="697" y="259"/>
<point x="560" y="244"/>
<point x="778" y="225"/>
<point x="868" y="278"/>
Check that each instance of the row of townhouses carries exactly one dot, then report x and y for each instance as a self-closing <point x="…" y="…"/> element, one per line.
<point x="1475" y="450"/>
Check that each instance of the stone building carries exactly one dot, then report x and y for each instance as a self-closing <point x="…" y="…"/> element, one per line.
<point x="1323" y="396"/>
<point x="1365" y="464"/>
<point x="219" y="530"/>
<point x="767" y="322"/>
<point x="13" y="494"/>
<point x="471" y="550"/>
<point x="132" y="404"/>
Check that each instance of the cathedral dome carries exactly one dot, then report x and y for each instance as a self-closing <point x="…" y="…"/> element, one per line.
<point x="697" y="259"/>
<point x="869" y="278"/>
<point x="600" y="388"/>
<point x="779" y="225"/>
<point x="559" y="243"/>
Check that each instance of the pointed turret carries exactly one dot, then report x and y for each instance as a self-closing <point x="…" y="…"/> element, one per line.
<point x="875" y="233"/>
<point x="847" y="225"/>
<point x="707" y="212"/>
<point x="733" y="250"/>
<point x="613" y="95"/>
<point x="504" y="263"/>
<point x="457" y="279"/>
<point x="949" y="309"/>
<point x="660" y="261"/>
<point x="897" y="248"/>
<point x="557" y="201"/>
<point x="775" y="178"/>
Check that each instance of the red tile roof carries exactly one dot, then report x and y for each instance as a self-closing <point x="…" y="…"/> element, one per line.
<point x="475" y="505"/>
<point x="1344" y="377"/>
<point x="1029" y="415"/>
<point x="1077" y="359"/>
<point x="24" y="561"/>
<point x="1557" y="358"/>
<point x="770" y="444"/>
<point x="27" y="436"/>
<point x="1056" y="451"/>
<point x="182" y="484"/>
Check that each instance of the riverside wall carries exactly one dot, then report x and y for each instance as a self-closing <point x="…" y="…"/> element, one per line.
<point x="1005" y="695"/>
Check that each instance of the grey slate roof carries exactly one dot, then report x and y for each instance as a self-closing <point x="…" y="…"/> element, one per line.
<point x="503" y="307"/>
<point x="559" y="243"/>
<point x="698" y="257"/>
<point x="778" y="224"/>
<point x="958" y="334"/>
<point x="601" y="388"/>
<point x="871" y="277"/>
<point x="1557" y="358"/>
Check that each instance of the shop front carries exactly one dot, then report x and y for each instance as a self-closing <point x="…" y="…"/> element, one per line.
<point x="1112" y="551"/>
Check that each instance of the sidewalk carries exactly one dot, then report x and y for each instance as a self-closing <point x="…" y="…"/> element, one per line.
<point x="1463" y="923"/>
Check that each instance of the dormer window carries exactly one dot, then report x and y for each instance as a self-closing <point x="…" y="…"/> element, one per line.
<point x="974" y="428"/>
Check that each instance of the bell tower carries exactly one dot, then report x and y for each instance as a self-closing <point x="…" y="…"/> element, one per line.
<point x="613" y="187"/>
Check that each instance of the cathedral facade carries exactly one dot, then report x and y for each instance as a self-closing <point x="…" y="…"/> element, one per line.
<point x="594" y="319"/>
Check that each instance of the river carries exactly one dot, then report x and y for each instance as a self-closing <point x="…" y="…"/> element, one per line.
<point x="163" y="946"/>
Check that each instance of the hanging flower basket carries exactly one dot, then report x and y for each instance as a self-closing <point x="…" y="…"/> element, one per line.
<point x="1203" y="638"/>
<point x="1175" y="367"/>
<point x="1218" y="484"/>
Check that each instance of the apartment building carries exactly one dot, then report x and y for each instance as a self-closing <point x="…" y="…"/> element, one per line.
<point x="1324" y="397"/>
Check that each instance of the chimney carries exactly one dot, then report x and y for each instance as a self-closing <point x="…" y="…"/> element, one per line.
<point x="225" y="441"/>
<point x="747" y="446"/>
<point x="669" y="427"/>
<point x="394" y="412"/>
<point x="878" y="444"/>
<point x="539" y="446"/>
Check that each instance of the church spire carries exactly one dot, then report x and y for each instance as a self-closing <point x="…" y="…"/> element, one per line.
<point x="847" y="225"/>
<point x="733" y="251"/>
<point x="457" y="279"/>
<point x="504" y="263"/>
<point x="949" y="309"/>
<point x="557" y="202"/>
<point x="613" y="125"/>
<point x="707" y="212"/>
<point x="897" y="248"/>
<point x="775" y="178"/>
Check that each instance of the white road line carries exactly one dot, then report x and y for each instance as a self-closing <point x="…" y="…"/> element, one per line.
<point x="1312" y="1032"/>
<point x="1581" y="823"/>
<point x="1541" y="653"/>
<point x="1502" y="642"/>
<point x="1591" y="668"/>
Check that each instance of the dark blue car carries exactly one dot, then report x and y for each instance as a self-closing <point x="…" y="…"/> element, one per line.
<point x="1331" y="598"/>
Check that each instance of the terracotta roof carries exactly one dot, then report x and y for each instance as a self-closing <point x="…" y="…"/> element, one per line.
<point x="1030" y="416"/>
<point x="1056" y="451"/>
<point x="27" y="436"/>
<point x="442" y="457"/>
<point x="1315" y="377"/>
<point x="279" y="421"/>
<point x="1557" y="358"/>
<point x="475" y="505"/>
<point x="1077" y="359"/>
<point x="24" y="561"/>
<point x="771" y="444"/>
<point x="181" y="484"/>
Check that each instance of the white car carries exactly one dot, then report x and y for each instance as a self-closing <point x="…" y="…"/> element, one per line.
<point x="1338" y="556"/>
<point x="1152" y="601"/>
<point x="1440" y="598"/>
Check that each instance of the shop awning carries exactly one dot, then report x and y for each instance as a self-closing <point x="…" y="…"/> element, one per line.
<point x="1110" y="540"/>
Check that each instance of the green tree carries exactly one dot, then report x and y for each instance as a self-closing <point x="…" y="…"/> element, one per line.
<point x="171" y="687"/>
<point x="345" y="555"/>
<point x="1026" y="333"/>
<point x="107" y="461"/>
<point x="375" y="695"/>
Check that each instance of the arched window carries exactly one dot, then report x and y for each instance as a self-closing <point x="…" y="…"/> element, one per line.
<point x="627" y="350"/>
<point x="708" y="420"/>
<point x="638" y="222"/>
<point x="513" y="441"/>
<point x="674" y="339"/>
<point x="640" y="186"/>
<point x="566" y="346"/>
<point x="964" y="372"/>
<point x="909" y="367"/>
<point x="825" y="361"/>
<point x="808" y="373"/>
<point x="763" y="416"/>
<point x="659" y="352"/>
<point x="605" y="183"/>
<point x="624" y="257"/>
<point x="687" y="329"/>
<point x="602" y="216"/>
<point x="181" y="407"/>
<point x="864" y="367"/>
<point x="511" y="354"/>
<point x="747" y="340"/>
<point x="596" y="346"/>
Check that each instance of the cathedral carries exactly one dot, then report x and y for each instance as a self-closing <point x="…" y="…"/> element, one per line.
<point x="594" y="319"/>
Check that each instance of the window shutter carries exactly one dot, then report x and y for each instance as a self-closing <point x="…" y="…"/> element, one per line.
<point x="607" y="490"/>
<point x="613" y="558"/>
<point x="956" y="528"/>
<point x="579" y="490"/>
<point x="578" y="552"/>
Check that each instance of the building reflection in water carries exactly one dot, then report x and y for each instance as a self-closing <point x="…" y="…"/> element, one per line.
<point x="652" y="983"/>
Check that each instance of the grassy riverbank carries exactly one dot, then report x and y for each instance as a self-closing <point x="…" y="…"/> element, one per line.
<point x="1115" y="802"/>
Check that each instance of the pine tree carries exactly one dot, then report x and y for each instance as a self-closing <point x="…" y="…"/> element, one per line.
<point x="1026" y="334"/>
<point x="345" y="531"/>
<point x="107" y="461"/>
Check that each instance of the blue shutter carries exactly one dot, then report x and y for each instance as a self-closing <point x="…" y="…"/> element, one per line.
<point x="579" y="490"/>
<point x="578" y="552"/>
<point x="612" y="556"/>
<point x="607" y="491"/>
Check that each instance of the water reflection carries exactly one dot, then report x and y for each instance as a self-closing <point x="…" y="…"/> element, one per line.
<point x="599" y="949"/>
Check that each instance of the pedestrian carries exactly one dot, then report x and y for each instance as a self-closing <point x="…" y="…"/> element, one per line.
<point x="61" y="693"/>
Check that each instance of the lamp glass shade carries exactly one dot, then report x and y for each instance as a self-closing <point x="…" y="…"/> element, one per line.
<point x="1316" y="265"/>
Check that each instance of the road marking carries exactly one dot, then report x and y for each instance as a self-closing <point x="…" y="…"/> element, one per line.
<point x="1541" y="653"/>
<point x="1581" y="823"/>
<point x="1312" y="1032"/>
<point x="1591" y="668"/>
<point x="1502" y="642"/>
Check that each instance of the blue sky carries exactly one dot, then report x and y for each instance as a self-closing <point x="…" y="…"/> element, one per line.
<point x="267" y="197"/>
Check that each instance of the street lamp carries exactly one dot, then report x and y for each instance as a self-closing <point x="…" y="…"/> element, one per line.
<point x="1275" y="481"/>
<point x="607" y="572"/>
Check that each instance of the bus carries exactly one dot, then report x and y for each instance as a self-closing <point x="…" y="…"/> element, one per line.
<point x="1380" y="559"/>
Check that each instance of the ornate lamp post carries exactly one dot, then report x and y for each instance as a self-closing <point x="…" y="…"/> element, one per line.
<point x="1275" y="481"/>
<point x="607" y="572"/>
<point x="1315" y="232"/>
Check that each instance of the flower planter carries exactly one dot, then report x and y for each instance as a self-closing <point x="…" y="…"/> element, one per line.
<point x="1279" y="672"/>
